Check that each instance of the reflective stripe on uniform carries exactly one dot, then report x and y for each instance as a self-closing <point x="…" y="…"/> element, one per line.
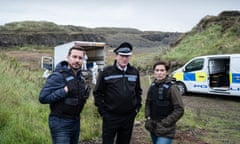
<point x="113" y="77"/>
<point x="130" y="77"/>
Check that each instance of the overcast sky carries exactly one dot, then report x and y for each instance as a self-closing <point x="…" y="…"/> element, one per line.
<point x="154" y="15"/>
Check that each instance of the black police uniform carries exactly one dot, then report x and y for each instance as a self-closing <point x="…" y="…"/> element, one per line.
<point x="118" y="98"/>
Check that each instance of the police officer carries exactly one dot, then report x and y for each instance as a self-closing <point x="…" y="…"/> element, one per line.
<point x="118" y="97"/>
<point x="163" y="107"/>
<point x="66" y="92"/>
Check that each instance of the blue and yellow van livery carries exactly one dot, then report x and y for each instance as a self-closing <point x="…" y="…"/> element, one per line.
<point x="211" y="74"/>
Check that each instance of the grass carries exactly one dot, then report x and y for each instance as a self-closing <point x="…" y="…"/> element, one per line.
<point x="210" y="41"/>
<point x="21" y="116"/>
<point x="90" y="121"/>
<point x="31" y="27"/>
<point x="211" y="125"/>
<point x="221" y="127"/>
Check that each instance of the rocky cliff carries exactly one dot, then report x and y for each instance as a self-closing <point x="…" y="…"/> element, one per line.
<point x="50" y="34"/>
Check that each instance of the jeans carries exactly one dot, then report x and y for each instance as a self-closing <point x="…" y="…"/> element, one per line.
<point x="160" y="140"/>
<point x="64" y="130"/>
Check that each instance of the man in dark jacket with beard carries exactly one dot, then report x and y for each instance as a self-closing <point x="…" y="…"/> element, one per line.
<point x="118" y="97"/>
<point x="65" y="91"/>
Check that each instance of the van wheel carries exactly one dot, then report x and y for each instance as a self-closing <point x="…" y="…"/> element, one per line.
<point x="182" y="88"/>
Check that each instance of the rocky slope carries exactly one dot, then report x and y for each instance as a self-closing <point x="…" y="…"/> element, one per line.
<point x="51" y="34"/>
<point x="228" y="20"/>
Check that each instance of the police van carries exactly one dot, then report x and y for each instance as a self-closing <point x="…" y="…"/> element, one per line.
<point x="211" y="74"/>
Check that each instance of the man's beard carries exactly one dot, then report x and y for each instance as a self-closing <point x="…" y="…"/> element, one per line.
<point x="78" y="67"/>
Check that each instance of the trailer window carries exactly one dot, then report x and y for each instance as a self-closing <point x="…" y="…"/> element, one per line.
<point x="194" y="65"/>
<point x="47" y="63"/>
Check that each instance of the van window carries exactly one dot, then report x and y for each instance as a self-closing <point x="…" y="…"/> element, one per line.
<point x="194" y="65"/>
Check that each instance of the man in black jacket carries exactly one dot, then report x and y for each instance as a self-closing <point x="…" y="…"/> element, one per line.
<point x="65" y="91"/>
<point x="118" y="97"/>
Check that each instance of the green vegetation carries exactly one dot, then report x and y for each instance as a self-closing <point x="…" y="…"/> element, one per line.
<point x="48" y="33"/>
<point x="213" y="40"/>
<point x="31" y="27"/>
<point x="145" y="60"/>
<point x="22" y="118"/>
<point x="211" y="125"/>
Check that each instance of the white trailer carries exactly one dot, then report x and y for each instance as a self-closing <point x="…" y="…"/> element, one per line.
<point x="211" y="74"/>
<point x="94" y="59"/>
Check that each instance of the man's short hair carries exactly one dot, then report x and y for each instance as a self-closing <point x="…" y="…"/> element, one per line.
<point x="76" y="48"/>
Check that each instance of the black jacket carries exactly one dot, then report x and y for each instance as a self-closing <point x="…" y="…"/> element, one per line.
<point x="161" y="104"/>
<point x="53" y="93"/>
<point x="118" y="92"/>
<point x="166" y="126"/>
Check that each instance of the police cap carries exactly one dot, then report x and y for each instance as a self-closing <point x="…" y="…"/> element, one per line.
<point x="124" y="49"/>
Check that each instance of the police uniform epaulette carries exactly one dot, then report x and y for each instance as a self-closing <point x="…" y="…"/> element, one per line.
<point x="153" y="83"/>
<point x="166" y="85"/>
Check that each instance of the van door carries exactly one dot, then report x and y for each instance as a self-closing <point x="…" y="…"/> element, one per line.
<point x="196" y="75"/>
<point x="235" y="76"/>
<point x="219" y="75"/>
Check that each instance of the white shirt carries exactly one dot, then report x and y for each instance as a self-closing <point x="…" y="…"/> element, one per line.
<point x="120" y="68"/>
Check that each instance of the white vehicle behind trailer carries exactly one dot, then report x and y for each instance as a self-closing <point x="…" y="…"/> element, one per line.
<point x="211" y="74"/>
<point x="94" y="59"/>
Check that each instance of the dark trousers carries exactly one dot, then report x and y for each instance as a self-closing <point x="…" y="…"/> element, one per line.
<point x="117" y="128"/>
<point x="64" y="131"/>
